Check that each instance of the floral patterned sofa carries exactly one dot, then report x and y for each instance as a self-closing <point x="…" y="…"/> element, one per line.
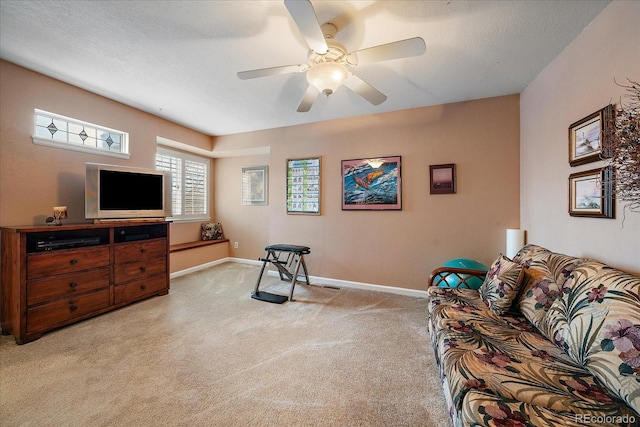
<point x="547" y="340"/>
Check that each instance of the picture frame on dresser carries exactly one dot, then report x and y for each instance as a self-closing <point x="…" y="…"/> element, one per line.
<point x="588" y="140"/>
<point x="591" y="193"/>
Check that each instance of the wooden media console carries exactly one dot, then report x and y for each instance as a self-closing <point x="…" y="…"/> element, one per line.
<point x="53" y="276"/>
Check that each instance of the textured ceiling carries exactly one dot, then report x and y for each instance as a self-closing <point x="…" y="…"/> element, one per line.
<point x="179" y="59"/>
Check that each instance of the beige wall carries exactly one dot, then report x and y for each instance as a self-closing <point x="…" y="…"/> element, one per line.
<point x="194" y="258"/>
<point x="34" y="178"/>
<point x="485" y="138"/>
<point x="392" y="248"/>
<point x="578" y="82"/>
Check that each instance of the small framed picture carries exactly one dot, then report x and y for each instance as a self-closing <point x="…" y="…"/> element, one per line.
<point x="587" y="142"/>
<point x="442" y="179"/>
<point x="591" y="193"/>
<point x="255" y="185"/>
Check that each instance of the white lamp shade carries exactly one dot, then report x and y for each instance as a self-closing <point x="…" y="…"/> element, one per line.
<point x="515" y="241"/>
<point x="327" y="76"/>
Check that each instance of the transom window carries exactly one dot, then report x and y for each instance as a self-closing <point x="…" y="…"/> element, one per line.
<point x="190" y="182"/>
<point x="59" y="131"/>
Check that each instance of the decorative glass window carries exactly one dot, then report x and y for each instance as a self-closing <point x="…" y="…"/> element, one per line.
<point x="59" y="131"/>
<point x="190" y="182"/>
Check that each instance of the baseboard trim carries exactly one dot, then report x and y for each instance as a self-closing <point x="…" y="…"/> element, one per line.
<point x="198" y="268"/>
<point x="316" y="280"/>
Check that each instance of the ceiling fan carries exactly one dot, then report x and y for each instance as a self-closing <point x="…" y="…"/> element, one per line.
<point x="330" y="65"/>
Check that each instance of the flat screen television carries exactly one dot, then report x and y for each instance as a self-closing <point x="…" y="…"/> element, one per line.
<point x="121" y="192"/>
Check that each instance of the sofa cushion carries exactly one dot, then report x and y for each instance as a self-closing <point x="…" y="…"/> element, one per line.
<point x="446" y="303"/>
<point x="440" y="298"/>
<point x="485" y="409"/>
<point x="482" y="353"/>
<point x="541" y="286"/>
<point x="539" y="291"/>
<point x="530" y="254"/>
<point x="501" y="284"/>
<point x="561" y="266"/>
<point x="596" y="320"/>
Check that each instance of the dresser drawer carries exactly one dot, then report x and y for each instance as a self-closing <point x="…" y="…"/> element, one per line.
<point x="132" y="270"/>
<point x="134" y="251"/>
<point x="66" y="261"/>
<point x="139" y="288"/>
<point x="48" y="315"/>
<point x="66" y="285"/>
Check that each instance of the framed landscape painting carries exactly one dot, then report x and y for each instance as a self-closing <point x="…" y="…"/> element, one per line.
<point x="591" y="193"/>
<point x="442" y="179"/>
<point x="372" y="184"/>
<point x="586" y="138"/>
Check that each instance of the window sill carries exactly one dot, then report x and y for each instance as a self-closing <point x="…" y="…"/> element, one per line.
<point x="75" y="147"/>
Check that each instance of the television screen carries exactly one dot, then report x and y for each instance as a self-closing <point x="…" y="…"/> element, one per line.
<point x="130" y="191"/>
<point x="120" y="192"/>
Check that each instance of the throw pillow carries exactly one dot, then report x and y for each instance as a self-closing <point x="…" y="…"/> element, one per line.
<point x="501" y="285"/>
<point x="212" y="231"/>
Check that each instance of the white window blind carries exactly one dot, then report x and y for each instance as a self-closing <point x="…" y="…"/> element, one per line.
<point x="195" y="187"/>
<point x="190" y="178"/>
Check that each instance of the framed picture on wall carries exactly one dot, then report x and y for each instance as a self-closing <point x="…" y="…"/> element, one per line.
<point x="591" y="193"/>
<point x="442" y="179"/>
<point x="255" y="185"/>
<point x="303" y="186"/>
<point x="372" y="184"/>
<point x="587" y="138"/>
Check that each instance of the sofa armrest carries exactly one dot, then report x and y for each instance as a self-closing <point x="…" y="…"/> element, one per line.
<point x="460" y="275"/>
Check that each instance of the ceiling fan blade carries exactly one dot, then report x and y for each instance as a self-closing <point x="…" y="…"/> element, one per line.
<point x="308" y="99"/>
<point x="305" y="18"/>
<point x="272" y="71"/>
<point x="365" y="90"/>
<point x="385" y="52"/>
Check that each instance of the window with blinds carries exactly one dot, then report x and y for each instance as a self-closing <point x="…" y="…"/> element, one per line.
<point x="190" y="178"/>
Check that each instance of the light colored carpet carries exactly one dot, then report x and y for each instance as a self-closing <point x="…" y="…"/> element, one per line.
<point x="209" y="355"/>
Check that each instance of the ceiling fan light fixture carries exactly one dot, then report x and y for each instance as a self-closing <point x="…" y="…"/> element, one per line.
<point x="327" y="76"/>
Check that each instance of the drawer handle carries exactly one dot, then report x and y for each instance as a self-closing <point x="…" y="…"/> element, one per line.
<point x="73" y="261"/>
<point x="73" y="307"/>
<point x="73" y="285"/>
<point x="143" y="269"/>
<point x="143" y="287"/>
